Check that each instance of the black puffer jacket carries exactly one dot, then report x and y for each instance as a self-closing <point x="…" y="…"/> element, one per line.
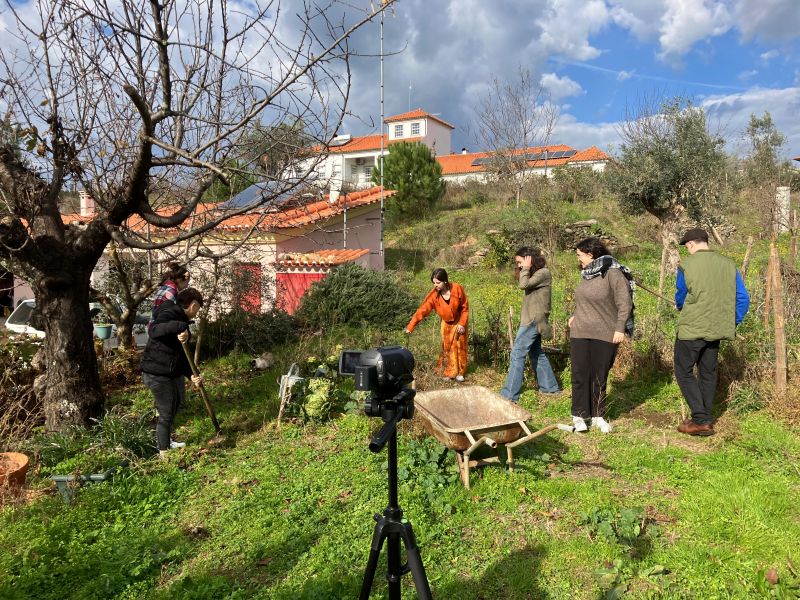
<point x="163" y="354"/>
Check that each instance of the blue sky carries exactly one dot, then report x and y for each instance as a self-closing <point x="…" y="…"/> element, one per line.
<point x="596" y="58"/>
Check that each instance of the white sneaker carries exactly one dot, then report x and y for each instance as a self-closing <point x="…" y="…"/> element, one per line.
<point x="163" y="454"/>
<point x="579" y="424"/>
<point x="601" y="424"/>
<point x="459" y="378"/>
<point x="173" y="445"/>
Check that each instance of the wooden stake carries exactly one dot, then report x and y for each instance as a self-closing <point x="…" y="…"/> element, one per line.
<point x="510" y="328"/>
<point x="793" y="240"/>
<point x="768" y="293"/>
<point x="779" y="317"/>
<point x="746" y="261"/>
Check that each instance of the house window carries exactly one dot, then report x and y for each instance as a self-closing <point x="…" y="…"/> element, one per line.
<point x="368" y="173"/>
<point x="353" y="171"/>
<point x="398" y="131"/>
<point x="415" y="129"/>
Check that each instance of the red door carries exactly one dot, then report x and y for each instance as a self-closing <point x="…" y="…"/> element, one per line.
<point x="248" y="293"/>
<point x="292" y="286"/>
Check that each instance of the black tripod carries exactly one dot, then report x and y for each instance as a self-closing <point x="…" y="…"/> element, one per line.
<point x="391" y="524"/>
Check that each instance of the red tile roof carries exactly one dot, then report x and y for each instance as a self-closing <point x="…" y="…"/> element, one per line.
<point x="797" y="158"/>
<point x="453" y="164"/>
<point x="417" y="113"/>
<point x="365" y="143"/>
<point x="260" y="221"/>
<point x="592" y="153"/>
<point x="324" y="258"/>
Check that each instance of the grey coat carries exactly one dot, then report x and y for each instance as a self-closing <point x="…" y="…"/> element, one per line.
<point x="536" y="301"/>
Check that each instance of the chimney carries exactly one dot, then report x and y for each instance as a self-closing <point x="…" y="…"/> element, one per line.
<point x="463" y="151"/>
<point x="87" y="204"/>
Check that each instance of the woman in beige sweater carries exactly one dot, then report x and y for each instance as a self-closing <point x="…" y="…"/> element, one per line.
<point x="602" y="308"/>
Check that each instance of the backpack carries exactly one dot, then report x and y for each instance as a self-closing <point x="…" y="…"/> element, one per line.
<point x="630" y="323"/>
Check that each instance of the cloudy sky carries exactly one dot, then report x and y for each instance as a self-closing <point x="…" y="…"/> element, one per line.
<point x="596" y="58"/>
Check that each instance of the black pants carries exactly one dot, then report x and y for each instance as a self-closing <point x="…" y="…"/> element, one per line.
<point x="591" y="362"/>
<point x="168" y="393"/>
<point x="698" y="390"/>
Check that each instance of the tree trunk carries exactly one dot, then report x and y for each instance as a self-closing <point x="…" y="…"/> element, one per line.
<point x="69" y="387"/>
<point x="793" y="241"/>
<point x="668" y="230"/>
<point x="125" y="332"/>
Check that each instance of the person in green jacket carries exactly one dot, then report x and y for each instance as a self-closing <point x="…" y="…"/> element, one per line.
<point x="712" y="299"/>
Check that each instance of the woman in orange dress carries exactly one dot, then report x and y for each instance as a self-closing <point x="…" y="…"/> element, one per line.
<point x="449" y="301"/>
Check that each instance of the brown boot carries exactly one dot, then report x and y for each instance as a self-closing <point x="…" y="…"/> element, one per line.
<point x="689" y="427"/>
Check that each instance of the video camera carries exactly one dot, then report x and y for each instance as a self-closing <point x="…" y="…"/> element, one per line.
<point x="385" y="372"/>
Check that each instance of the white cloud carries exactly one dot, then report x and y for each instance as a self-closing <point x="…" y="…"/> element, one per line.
<point x="745" y="75"/>
<point x="686" y="22"/>
<point x="582" y="135"/>
<point x="625" y="75"/>
<point x="768" y="20"/>
<point x="560" y="87"/>
<point x="732" y="112"/>
<point x="567" y="24"/>
<point x="768" y="56"/>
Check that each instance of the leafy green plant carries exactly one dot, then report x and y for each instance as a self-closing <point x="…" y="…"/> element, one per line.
<point x="623" y="527"/>
<point x="322" y="390"/>
<point x="88" y="463"/>
<point x="426" y="469"/>
<point x="353" y="295"/>
<point x="253" y="333"/>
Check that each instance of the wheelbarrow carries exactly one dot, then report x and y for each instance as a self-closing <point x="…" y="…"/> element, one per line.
<point x="466" y="418"/>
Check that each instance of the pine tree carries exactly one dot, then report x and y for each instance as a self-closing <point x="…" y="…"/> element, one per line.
<point x="412" y="171"/>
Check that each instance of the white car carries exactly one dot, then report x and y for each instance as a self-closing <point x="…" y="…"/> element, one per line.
<point x="19" y="322"/>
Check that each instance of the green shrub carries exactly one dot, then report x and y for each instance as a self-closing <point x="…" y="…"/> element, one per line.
<point x="353" y="295"/>
<point x="240" y="330"/>
<point x="125" y="435"/>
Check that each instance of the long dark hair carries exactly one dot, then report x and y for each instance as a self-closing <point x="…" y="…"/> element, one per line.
<point x="593" y="246"/>
<point x="439" y="274"/>
<point x="537" y="259"/>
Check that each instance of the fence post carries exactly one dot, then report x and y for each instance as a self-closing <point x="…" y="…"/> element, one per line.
<point x="779" y="318"/>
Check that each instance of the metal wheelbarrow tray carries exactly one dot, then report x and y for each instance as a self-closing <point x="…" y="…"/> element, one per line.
<point x="466" y="418"/>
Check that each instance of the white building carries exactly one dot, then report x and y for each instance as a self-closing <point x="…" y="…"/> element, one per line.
<point x="351" y="160"/>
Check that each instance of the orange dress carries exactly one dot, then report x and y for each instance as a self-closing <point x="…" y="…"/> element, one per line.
<point x="453" y="357"/>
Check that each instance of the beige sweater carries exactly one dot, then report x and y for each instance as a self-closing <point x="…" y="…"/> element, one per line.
<point x="536" y="301"/>
<point x="602" y="306"/>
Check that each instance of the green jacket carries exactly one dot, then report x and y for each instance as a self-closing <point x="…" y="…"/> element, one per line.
<point x="709" y="311"/>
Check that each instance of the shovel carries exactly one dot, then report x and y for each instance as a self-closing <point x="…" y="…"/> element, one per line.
<point x="203" y="393"/>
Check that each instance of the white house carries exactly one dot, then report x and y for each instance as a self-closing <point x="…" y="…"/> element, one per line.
<point x="351" y="160"/>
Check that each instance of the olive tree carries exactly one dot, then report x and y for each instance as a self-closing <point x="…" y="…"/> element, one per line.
<point x="145" y="104"/>
<point x="671" y="166"/>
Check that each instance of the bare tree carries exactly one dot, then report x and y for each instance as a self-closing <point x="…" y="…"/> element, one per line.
<point x="144" y="104"/>
<point x="670" y="166"/>
<point x="514" y="123"/>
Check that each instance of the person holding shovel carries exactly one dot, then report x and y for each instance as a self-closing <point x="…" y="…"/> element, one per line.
<point x="164" y="363"/>
<point x="449" y="300"/>
<point x="534" y="280"/>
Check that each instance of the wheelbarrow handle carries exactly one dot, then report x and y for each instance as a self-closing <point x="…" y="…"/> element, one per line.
<point x="201" y="387"/>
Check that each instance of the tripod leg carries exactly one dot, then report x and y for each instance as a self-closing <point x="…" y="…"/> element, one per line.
<point x="415" y="565"/>
<point x="378" y="535"/>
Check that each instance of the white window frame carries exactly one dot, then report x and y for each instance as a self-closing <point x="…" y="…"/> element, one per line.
<point x="415" y="126"/>
<point x="368" y="172"/>
<point x="398" y="131"/>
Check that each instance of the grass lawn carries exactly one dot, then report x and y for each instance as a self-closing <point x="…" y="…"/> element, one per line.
<point x="286" y="512"/>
